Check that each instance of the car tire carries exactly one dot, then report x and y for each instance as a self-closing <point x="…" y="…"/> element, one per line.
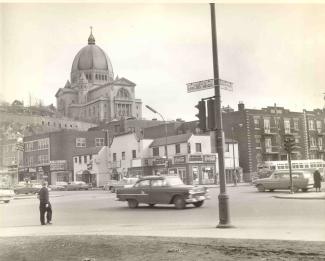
<point x="198" y="204"/>
<point x="6" y="201"/>
<point x="132" y="203"/>
<point x="113" y="190"/>
<point x="260" y="188"/>
<point x="179" y="202"/>
<point x="304" y="189"/>
<point x="151" y="205"/>
<point x="295" y="189"/>
<point x="271" y="190"/>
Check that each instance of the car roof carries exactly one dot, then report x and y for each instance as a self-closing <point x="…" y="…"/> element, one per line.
<point x="158" y="177"/>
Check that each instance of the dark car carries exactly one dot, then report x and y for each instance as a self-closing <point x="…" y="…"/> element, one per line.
<point x="154" y="190"/>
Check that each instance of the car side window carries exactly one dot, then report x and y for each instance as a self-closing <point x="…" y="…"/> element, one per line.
<point x="143" y="183"/>
<point x="158" y="183"/>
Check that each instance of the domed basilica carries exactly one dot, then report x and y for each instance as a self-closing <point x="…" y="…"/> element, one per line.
<point x="93" y="94"/>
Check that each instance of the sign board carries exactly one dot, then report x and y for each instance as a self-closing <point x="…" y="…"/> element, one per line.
<point x="58" y="165"/>
<point x="195" y="158"/>
<point x="208" y="84"/>
<point x="209" y="158"/>
<point x="179" y="159"/>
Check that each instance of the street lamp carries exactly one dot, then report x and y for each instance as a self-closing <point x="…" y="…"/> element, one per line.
<point x="166" y="151"/>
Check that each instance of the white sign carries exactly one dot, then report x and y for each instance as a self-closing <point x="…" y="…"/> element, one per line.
<point x="208" y="84"/>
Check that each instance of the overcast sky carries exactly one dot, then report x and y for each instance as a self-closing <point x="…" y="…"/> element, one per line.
<point x="272" y="53"/>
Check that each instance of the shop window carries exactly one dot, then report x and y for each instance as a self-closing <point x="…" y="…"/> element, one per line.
<point x="85" y="159"/>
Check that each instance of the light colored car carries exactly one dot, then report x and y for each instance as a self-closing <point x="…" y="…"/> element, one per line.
<point x="123" y="183"/>
<point x="6" y="194"/>
<point x="77" y="185"/>
<point x="280" y="180"/>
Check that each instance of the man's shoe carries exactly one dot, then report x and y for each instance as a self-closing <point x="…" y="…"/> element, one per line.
<point x="49" y="223"/>
<point x="43" y="224"/>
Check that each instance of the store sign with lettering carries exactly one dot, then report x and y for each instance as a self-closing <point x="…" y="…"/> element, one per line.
<point x="179" y="159"/>
<point x="209" y="158"/>
<point x="58" y="164"/>
<point x="196" y="158"/>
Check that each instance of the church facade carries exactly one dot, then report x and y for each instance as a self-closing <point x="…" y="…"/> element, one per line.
<point x="93" y="94"/>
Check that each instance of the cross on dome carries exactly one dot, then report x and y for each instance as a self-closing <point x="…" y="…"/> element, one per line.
<point x="91" y="38"/>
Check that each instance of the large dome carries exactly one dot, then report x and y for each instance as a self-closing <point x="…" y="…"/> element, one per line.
<point x="92" y="58"/>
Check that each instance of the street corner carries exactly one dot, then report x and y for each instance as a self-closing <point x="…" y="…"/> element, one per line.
<point x="304" y="195"/>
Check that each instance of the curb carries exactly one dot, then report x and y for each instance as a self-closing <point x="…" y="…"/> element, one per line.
<point x="300" y="197"/>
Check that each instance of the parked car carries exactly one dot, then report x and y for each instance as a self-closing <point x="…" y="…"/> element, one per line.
<point x="77" y="185"/>
<point x="57" y="187"/>
<point x="280" y="180"/>
<point x="154" y="190"/>
<point x="6" y="194"/>
<point x="123" y="183"/>
<point x="27" y="188"/>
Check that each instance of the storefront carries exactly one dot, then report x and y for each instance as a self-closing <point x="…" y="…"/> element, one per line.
<point x="195" y="169"/>
<point x="59" y="172"/>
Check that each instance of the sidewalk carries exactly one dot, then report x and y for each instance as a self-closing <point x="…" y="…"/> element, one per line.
<point x="303" y="195"/>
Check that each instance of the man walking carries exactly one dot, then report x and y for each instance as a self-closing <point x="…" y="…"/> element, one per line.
<point x="44" y="205"/>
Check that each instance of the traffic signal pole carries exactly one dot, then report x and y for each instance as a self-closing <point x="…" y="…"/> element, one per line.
<point x="224" y="218"/>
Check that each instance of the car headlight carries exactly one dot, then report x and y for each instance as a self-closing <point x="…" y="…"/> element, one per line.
<point x="191" y="192"/>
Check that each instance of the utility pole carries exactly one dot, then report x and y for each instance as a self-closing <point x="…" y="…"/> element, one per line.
<point x="224" y="218"/>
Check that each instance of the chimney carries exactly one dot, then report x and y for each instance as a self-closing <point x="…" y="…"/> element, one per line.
<point x="241" y="106"/>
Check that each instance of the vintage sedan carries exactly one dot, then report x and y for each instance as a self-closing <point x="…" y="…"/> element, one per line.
<point x="27" y="188"/>
<point x="154" y="190"/>
<point x="6" y="194"/>
<point x="280" y="180"/>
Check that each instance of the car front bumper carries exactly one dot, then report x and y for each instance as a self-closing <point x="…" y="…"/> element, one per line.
<point x="194" y="199"/>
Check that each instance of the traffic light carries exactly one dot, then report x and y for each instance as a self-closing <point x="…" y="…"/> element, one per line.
<point x="289" y="144"/>
<point x="211" y="114"/>
<point x="201" y="115"/>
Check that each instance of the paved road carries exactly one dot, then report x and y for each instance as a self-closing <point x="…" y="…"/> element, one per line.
<point x="254" y="215"/>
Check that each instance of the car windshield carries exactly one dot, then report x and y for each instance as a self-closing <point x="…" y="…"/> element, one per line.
<point x="174" y="181"/>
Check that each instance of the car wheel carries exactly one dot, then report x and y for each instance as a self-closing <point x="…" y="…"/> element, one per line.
<point x="198" y="204"/>
<point x="113" y="190"/>
<point x="132" y="203"/>
<point x="304" y="189"/>
<point x="295" y="189"/>
<point x="179" y="202"/>
<point x="152" y="205"/>
<point x="6" y="201"/>
<point x="271" y="190"/>
<point x="260" y="188"/>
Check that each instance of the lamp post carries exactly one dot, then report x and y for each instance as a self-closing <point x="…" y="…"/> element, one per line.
<point x="166" y="151"/>
<point x="224" y="215"/>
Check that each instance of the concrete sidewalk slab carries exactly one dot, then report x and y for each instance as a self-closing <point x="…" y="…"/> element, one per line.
<point x="307" y="195"/>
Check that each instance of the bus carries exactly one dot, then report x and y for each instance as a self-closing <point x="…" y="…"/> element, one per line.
<point x="266" y="168"/>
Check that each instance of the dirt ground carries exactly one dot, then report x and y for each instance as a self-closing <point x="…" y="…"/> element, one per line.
<point x="100" y="248"/>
